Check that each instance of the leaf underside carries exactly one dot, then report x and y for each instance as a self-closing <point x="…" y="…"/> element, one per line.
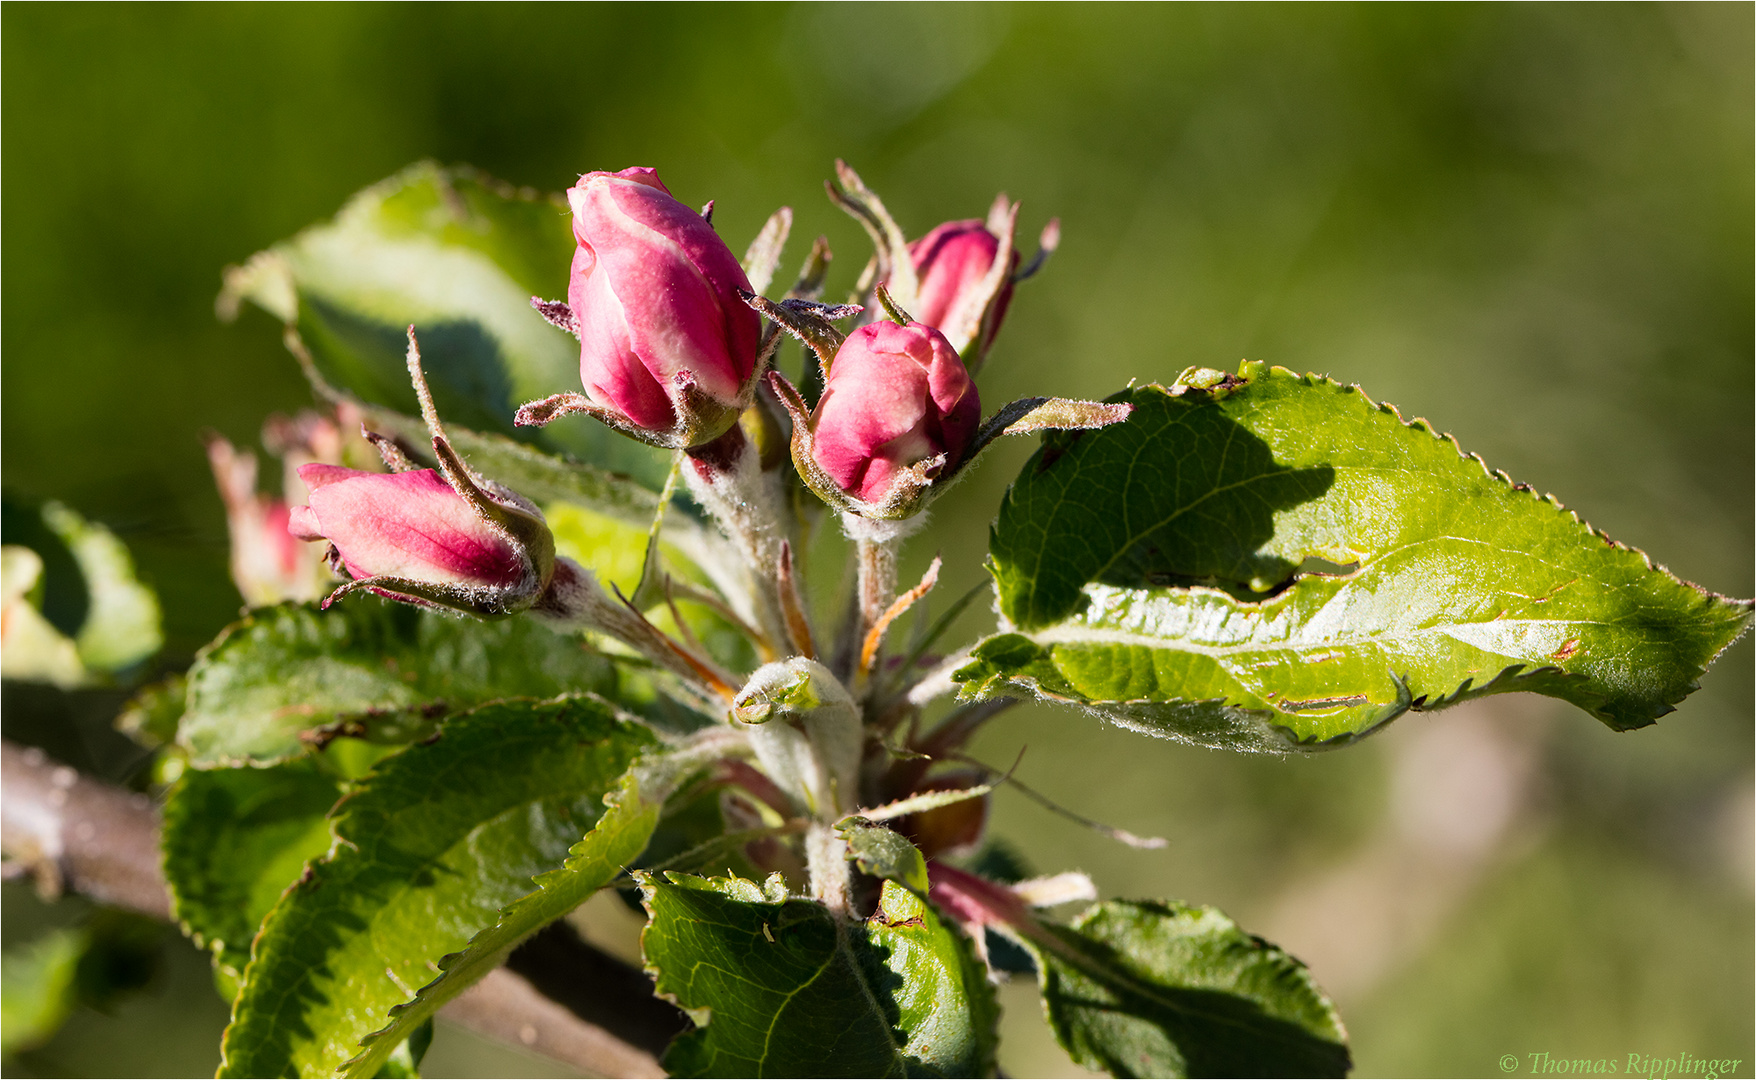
<point x="1276" y="562"/>
<point x="1138" y="988"/>
<point x="388" y="669"/>
<point x="781" y="990"/>
<point x="428" y="850"/>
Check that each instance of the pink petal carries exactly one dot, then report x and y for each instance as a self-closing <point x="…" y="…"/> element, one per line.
<point x="411" y="525"/>
<point x="950" y="259"/>
<point x="676" y="279"/>
<point x="317" y="474"/>
<point x="612" y="375"/>
<point x="302" y="523"/>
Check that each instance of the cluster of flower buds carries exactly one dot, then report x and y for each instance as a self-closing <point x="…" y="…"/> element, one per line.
<point x="672" y="346"/>
<point x="900" y="416"/>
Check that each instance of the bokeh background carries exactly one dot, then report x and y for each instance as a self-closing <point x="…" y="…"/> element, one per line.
<point x="1530" y="224"/>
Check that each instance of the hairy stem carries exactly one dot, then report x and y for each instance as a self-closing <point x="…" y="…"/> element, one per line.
<point x="575" y="601"/>
<point x="726" y="478"/>
<point x="826" y="858"/>
<point x="877" y="586"/>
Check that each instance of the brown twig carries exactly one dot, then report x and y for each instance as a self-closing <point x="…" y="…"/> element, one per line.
<point x="75" y="833"/>
<point x="72" y="832"/>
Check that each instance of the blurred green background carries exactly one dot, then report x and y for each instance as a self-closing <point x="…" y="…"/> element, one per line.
<point x="1530" y="224"/>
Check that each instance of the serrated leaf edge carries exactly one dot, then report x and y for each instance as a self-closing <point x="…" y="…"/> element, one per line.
<point x="619" y="798"/>
<point x="774" y="891"/>
<point x="337" y="841"/>
<point x="1248" y="372"/>
<point x="1049" y="939"/>
<point x="1249" y="369"/>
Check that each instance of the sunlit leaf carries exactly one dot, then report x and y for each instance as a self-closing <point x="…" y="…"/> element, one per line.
<point x="1269" y="561"/>
<point x="615" y="841"/>
<point x="429" y="850"/>
<point x="290" y="670"/>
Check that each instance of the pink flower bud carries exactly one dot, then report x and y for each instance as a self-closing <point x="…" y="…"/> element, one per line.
<point x="896" y="396"/>
<point x="267" y="564"/>
<point x="949" y="262"/>
<point x="665" y="339"/>
<point x="424" y="541"/>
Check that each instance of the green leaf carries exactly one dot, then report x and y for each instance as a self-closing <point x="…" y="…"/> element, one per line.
<point x="779" y="988"/>
<point x="38" y="988"/>
<point x="615" y="841"/>
<point x="459" y="256"/>
<point x="1139" y="988"/>
<point x="882" y="853"/>
<point x="292" y="669"/>
<point x="234" y="840"/>
<point x="122" y="625"/>
<point x="428" y="851"/>
<point x="151" y="716"/>
<point x="1268" y="561"/>
<point x="118" y="621"/>
<point x="537" y="475"/>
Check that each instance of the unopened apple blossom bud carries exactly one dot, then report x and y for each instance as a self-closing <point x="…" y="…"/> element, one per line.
<point x="268" y="565"/>
<point x="953" y="261"/>
<point x="896" y="397"/>
<point x="666" y="342"/>
<point x="411" y="536"/>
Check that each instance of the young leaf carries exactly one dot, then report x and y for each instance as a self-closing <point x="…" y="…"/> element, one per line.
<point x="1153" y="989"/>
<point x="884" y="854"/>
<point x="428" y="851"/>
<point x="779" y="988"/>
<point x="459" y="256"/>
<point x="287" y="670"/>
<point x="234" y="840"/>
<point x="1268" y="561"/>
